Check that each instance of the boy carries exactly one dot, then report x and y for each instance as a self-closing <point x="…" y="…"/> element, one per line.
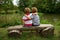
<point x="34" y="17"/>
<point x="27" y="21"/>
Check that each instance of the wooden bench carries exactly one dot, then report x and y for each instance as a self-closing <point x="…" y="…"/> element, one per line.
<point x="43" y="29"/>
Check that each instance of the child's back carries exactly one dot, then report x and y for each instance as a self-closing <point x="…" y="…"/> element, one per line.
<point x="35" y="17"/>
<point x="27" y="22"/>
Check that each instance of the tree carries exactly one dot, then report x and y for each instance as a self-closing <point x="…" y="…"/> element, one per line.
<point x="46" y="6"/>
<point x="6" y="5"/>
<point x="24" y="3"/>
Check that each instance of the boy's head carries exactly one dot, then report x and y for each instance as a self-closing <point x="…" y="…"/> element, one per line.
<point x="34" y="10"/>
<point x="27" y="10"/>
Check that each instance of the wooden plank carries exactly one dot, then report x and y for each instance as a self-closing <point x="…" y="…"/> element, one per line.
<point x="44" y="29"/>
<point x="45" y="25"/>
<point x="41" y="27"/>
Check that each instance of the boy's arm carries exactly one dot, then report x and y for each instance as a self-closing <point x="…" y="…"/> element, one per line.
<point x="23" y="21"/>
<point x="29" y="18"/>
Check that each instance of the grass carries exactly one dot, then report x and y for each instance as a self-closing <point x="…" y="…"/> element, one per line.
<point x="10" y="19"/>
<point x="15" y="19"/>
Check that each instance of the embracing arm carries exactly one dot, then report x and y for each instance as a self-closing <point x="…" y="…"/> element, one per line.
<point x="23" y="21"/>
<point x="29" y="18"/>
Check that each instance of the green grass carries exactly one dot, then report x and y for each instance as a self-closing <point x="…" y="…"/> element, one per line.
<point x="15" y="19"/>
<point x="10" y="19"/>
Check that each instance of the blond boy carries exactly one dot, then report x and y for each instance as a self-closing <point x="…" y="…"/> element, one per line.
<point x="35" y="17"/>
<point x="26" y="20"/>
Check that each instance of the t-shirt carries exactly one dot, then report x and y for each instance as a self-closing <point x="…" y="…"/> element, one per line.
<point x="35" y="19"/>
<point x="27" y="22"/>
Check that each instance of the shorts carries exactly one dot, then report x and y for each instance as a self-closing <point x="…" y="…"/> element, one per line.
<point x="27" y="25"/>
<point x="35" y="25"/>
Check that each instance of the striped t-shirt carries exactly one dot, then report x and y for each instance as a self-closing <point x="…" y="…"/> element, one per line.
<point x="27" y="23"/>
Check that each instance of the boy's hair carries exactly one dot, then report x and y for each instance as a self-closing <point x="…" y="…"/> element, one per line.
<point x="27" y="10"/>
<point x="34" y="9"/>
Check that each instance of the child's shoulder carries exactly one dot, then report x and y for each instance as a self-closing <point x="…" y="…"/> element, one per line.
<point x="30" y="13"/>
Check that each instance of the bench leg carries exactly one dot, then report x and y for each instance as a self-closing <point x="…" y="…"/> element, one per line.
<point x="14" y="33"/>
<point x="48" y="32"/>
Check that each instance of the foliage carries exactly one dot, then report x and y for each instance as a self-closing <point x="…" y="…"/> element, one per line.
<point x="23" y="4"/>
<point x="46" y="6"/>
<point x="6" y="5"/>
